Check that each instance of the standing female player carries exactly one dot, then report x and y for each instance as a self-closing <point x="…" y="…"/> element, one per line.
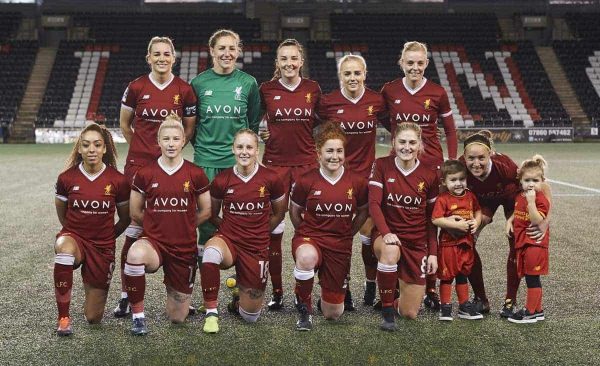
<point x="253" y="201"/>
<point x="228" y="100"/>
<point x="531" y="207"/>
<point x="289" y="102"/>
<point x="493" y="178"/>
<point x="145" y="104"/>
<point x="402" y="192"/>
<point x="170" y="197"/>
<point x="88" y="193"/>
<point x="416" y="99"/>
<point x="357" y="110"/>
<point x="328" y="206"/>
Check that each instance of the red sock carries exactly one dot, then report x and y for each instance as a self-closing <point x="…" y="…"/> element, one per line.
<point x="534" y="299"/>
<point x="512" y="278"/>
<point x="462" y="292"/>
<point x="304" y="291"/>
<point x="210" y="279"/>
<point x="445" y="292"/>
<point x="276" y="263"/>
<point x="387" y="277"/>
<point x="135" y="279"/>
<point x="476" y="278"/>
<point x="370" y="262"/>
<point x="128" y="243"/>
<point x="430" y="281"/>
<point x="63" y="282"/>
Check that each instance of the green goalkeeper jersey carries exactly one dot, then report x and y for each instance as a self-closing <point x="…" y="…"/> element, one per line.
<point x="226" y="104"/>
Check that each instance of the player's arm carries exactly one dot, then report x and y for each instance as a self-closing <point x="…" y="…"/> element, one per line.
<point x="451" y="138"/>
<point x="296" y="212"/>
<point x="359" y="218"/>
<point x="215" y="209"/>
<point x="61" y="210"/>
<point x="136" y="206"/>
<point x="538" y="231"/>
<point x="453" y="222"/>
<point x="475" y="221"/>
<point x="124" y="219"/>
<point x="203" y="203"/>
<point x="508" y="227"/>
<point x="189" y="127"/>
<point x="254" y="115"/>
<point x="432" y="241"/>
<point x="534" y="215"/>
<point x="375" y="198"/>
<point x="125" y="119"/>
<point x="278" y="208"/>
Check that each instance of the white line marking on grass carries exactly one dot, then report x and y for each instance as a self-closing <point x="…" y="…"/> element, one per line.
<point x="574" y="195"/>
<point x="574" y="185"/>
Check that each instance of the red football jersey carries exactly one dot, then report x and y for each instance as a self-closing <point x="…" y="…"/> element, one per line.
<point x="329" y="206"/>
<point x="358" y="118"/>
<point x="521" y="220"/>
<point x="500" y="184"/>
<point x="170" y="202"/>
<point x="151" y="103"/>
<point x="424" y="106"/>
<point x="290" y="116"/>
<point x="464" y="206"/>
<point x="91" y="202"/>
<point x="246" y="204"/>
<point x="404" y="198"/>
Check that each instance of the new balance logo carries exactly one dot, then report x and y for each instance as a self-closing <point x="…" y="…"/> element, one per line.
<point x="277" y="97"/>
<point x="230" y="191"/>
<point x="146" y="96"/>
<point x="317" y="193"/>
<point x="340" y="111"/>
<point x="391" y="180"/>
<point x="397" y="101"/>
<point x="154" y="185"/>
<point x="208" y="92"/>
<point x="76" y="188"/>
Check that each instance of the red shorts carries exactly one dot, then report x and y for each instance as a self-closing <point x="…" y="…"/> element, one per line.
<point x="132" y="167"/>
<point x="290" y="174"/>
<point x="179" y="269"/>
<point x="333" y="268"/>
<point x="532" y="260"/>
<point x="454" y="260"/>
<point x="251" y="267"/>
<point x="412" y="266"/>
<point x="97" y="262"/>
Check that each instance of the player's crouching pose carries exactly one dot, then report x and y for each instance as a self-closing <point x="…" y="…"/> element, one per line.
<point x="328" y="206"/>
<point x="531" y="207"/>
<point x="88" y="193"/>
<point x="458" y="214"/>
<point x="170" y="197"/>
<point x="253" y="201"/>
<point x="402" y="193"/>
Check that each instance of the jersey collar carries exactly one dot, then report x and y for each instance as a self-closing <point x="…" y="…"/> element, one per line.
<point x="413" y="91"/>
<point x="288" y="86"/>
<point x="168" y="170"/>
<point x="406" y="172"/>
<point x="245" y="178"/>
<point x="92" y="177"/>
<point x="350" y="99"/>
<point x="158" y="85"/>
<point x="332" y="181"/>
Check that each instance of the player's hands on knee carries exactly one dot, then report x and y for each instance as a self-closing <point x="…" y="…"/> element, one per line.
<point x="391" y="239"/>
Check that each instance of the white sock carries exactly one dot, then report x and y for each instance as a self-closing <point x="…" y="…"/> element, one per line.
<point x="212" y="310"/>
<point x="123" y="294"/>
<point x="138" y="315"/>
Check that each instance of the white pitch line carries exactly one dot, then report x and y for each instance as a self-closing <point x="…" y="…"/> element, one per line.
<point x="574" y="185"/>
<point x="574" y="195"/>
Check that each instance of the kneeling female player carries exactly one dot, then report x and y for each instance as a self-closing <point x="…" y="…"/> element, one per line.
<point x="328" y="206"/>
<point x="170" y="197"/>
<point x="253" y="201"/>
<point x="88" y="193"/>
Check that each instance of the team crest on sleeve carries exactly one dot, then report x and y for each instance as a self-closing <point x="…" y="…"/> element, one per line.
<point x="420" y="187"/>
<point x="349" y="192"/>
<point x="308" y="97"/>
<point x="261" y="191"/>
<point x="108" y="190"/>
<point x="427" y="104"/>
<point x="176" y="99"/>
<point x="186" y="186"/>
<point x="370" y="110"/>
